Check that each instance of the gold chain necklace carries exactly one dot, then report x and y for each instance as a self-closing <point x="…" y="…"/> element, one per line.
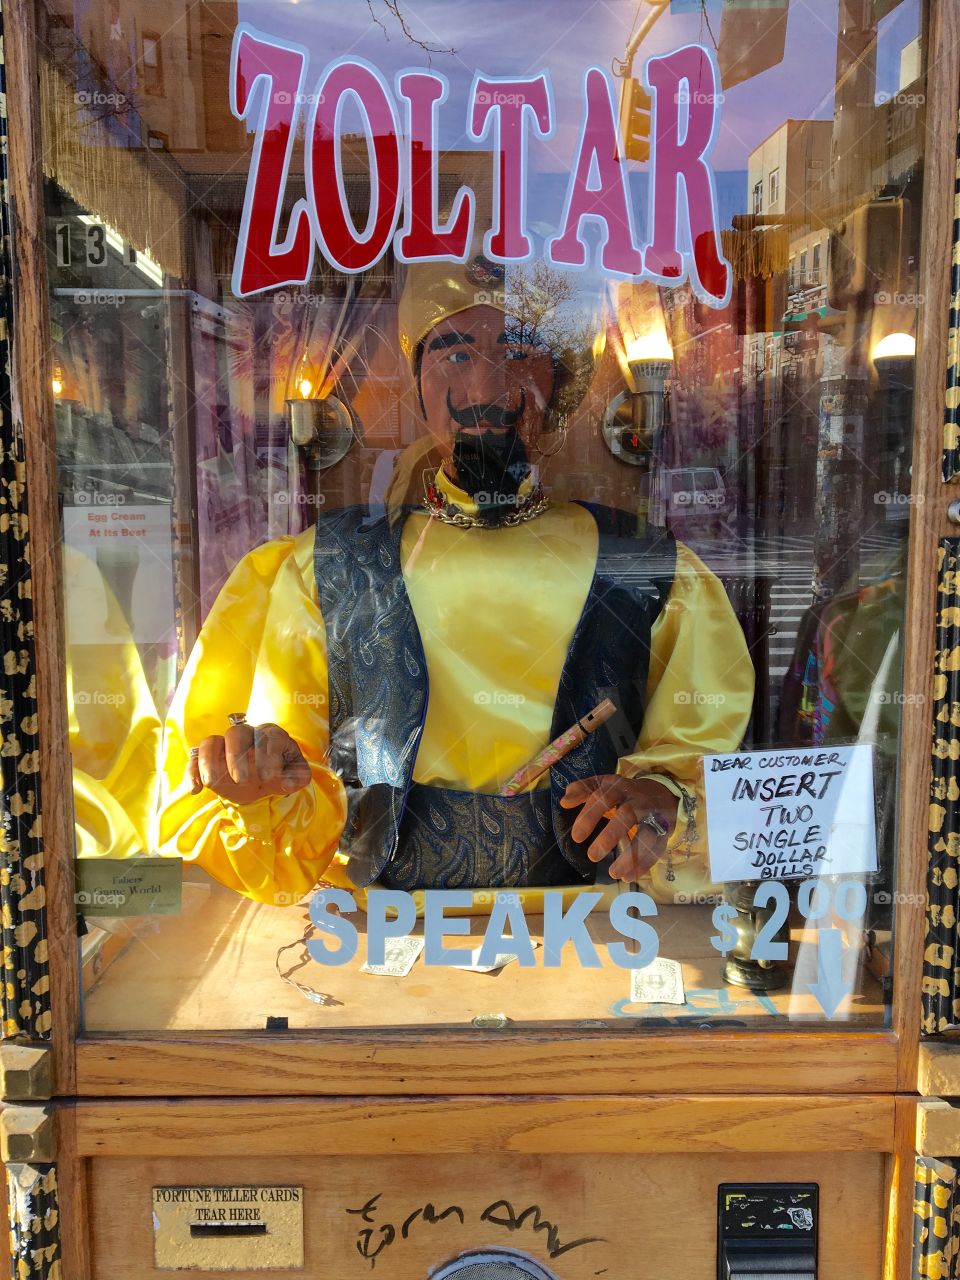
<point x="527" y="509"/>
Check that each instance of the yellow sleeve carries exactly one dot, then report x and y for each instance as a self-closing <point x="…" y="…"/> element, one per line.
<point x="699" y="691"/>
<point x="262" y="650"/>
<point x="113" y="726"/>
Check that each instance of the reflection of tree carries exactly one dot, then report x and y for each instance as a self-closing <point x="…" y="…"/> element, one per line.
<point x="542" y="311"/>
<point x="393" y="7"/>
<point x="536" y="302"/>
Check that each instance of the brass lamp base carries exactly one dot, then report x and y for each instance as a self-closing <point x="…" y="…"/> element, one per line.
<point x="756" y="975"/>
<point x="741" y="969"/>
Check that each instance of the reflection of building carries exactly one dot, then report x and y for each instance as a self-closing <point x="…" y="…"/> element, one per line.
<point x="841" y="255"/>
<point x="785" y="171"/>
<point x="155" y="80"/>
<point x="785" y="180"/>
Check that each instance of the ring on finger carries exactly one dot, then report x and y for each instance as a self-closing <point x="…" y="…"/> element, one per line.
<point x="656" y="823"/>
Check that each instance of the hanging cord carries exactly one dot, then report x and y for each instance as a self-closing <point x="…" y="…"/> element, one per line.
<point x="285" y="975"/>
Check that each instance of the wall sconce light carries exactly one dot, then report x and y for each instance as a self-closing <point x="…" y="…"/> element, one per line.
<point x="64" y="392"/>
<point x="321" y="425"/>
<point x="634" y="420"/>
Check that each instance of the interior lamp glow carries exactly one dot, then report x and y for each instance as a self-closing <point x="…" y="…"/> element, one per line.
<point x="56" y="383"/>
<point x="654" y="345"/>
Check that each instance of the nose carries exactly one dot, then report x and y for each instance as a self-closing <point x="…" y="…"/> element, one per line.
<point x="488" y="384"/>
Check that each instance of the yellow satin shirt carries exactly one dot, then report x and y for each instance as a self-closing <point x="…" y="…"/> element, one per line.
<point x="114" y="729"/>
<point x="496" y="610"/>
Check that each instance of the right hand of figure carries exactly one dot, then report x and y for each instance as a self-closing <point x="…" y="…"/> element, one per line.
<point x="248" y="763"/>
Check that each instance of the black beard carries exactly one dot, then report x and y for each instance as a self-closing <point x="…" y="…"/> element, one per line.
<point x="490" y="467"/>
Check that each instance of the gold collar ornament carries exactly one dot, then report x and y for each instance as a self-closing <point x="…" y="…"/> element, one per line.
<point x="439" y="507"/>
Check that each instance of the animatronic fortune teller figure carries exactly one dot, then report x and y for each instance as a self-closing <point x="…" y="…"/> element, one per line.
<point x="386" y="676"/>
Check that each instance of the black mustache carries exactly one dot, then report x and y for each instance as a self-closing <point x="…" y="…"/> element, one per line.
<point x="493" y="414"/>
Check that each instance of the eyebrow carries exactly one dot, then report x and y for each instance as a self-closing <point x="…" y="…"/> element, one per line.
<point x="451" y="339"/>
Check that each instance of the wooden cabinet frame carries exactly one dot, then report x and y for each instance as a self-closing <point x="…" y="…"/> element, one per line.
<point x="617" y="1090"/>
<point x="389" y="1062"/>
<point x="92" y="1133"/>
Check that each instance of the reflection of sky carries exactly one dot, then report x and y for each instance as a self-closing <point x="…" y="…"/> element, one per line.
<point x="895" y="31"/>
<point x="524" y="37"/>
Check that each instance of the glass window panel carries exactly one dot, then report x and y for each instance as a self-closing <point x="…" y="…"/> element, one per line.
<point x="363" y="509"/>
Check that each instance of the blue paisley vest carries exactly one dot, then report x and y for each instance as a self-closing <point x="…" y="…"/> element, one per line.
<point x="409" y="836"/>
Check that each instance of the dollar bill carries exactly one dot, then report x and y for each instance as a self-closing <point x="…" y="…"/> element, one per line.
<point x="499" y="960"/>
<point x="660" y="982"/>
<point x="399" y="955"/>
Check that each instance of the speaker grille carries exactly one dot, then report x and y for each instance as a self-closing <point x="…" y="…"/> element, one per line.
<point x="492" y="1264"/>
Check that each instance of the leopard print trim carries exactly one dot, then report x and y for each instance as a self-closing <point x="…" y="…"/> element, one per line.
<point x="940" y="999"/>
<point x="32" y="1197"/>
<point x="936" y="1219"/>
<point x="951" y="416"/>
<point x="33" y="1208"/>
<point x="26" y="984"/>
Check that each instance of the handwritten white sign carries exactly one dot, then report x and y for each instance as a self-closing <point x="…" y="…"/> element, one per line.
<point x="790" y="813"/>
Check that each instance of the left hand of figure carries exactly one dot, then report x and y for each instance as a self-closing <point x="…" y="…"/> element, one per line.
<point x="630" y="800"/>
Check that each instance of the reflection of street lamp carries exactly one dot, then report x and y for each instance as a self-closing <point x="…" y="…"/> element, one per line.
<point x="893" y="358"/>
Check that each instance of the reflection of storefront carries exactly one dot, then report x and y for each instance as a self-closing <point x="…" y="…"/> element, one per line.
<point x="491" y="716"/>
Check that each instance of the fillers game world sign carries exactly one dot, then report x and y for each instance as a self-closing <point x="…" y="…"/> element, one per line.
<point x="286" y="106"/>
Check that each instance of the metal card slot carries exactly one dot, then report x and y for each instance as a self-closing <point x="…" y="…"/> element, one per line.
<point x="772" y="1275"/>
<point x="767" y="1231"/>
<point x="766" y="1259"/>
<point x="228" y="1228"/>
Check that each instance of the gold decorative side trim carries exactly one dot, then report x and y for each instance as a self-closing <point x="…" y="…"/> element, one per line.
<point x="951" y="416"/>
<point x="34" y="1222"/>
<point x="939" y="995"/>
<point x="25" y="986"/>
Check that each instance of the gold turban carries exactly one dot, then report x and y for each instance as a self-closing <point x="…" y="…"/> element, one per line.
<point x="435" y="290"/>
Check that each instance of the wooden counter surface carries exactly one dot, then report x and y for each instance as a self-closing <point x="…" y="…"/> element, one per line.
<point x="214" y="968"/>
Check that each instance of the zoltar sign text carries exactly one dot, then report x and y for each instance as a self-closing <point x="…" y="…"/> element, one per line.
<point x="270" y="88"/>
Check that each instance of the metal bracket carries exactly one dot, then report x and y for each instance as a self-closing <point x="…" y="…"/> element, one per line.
<point x="26" y="1135"/>
<point x="938" y="1074"/>
<point x="26" y="1073"/>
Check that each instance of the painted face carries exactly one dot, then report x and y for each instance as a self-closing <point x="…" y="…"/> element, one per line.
<point x="477" y="376"/>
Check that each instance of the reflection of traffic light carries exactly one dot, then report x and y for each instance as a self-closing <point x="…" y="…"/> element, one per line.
<point x="635" y="112"/>
<point x="868" y="254"/>
<point x="752" y="38"/>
